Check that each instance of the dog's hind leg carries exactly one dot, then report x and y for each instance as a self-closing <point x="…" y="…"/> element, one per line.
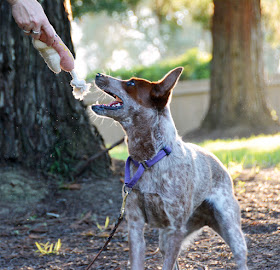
<point x="227" y="223"/>
<point x="170" y="245"/>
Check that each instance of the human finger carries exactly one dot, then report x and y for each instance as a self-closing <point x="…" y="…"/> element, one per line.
<point x="49" y="33"/>
<point x="26" y="32"/>
<point x="66" y="57"/>
<point x="27" y="29"/>
<point x="36" y="33"/>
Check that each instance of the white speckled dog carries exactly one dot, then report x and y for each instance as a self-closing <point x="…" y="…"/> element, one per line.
<point x="183" y="191"/>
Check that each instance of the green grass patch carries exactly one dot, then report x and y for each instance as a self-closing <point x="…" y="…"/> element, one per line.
<point x="262" y="151"/>
<point x="119" y="152"/>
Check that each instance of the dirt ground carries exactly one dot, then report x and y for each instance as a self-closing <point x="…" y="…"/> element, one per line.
<point x="71" y="215"/>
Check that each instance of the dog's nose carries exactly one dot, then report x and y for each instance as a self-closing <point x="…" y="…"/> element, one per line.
<point x="98" y="75"/>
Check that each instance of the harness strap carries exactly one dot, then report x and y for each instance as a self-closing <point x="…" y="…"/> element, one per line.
<point x="142" y="166"/>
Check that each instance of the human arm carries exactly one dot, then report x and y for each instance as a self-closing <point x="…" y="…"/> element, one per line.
<point x="30" y="17"/>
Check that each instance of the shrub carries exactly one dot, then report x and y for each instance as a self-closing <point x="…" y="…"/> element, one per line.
<point x="196" y="66"/>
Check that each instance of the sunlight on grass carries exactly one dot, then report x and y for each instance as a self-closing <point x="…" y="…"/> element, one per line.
<point x="119" y="152"/>
<point x="262" y="151"/>
<point x="262" y="143"/>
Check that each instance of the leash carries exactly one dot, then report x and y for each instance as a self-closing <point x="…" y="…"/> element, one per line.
<point x="129" y="183"/>
<point x="119" y="221"/>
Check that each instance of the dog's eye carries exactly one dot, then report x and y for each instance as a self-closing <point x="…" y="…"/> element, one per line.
<point x="130" y="83"/>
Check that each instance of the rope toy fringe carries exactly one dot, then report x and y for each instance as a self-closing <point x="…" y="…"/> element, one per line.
<point x="53" y="60"/>
<point x="80" y="87"/>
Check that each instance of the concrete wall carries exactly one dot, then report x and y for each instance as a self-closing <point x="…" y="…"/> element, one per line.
<point x="188" y="106"/>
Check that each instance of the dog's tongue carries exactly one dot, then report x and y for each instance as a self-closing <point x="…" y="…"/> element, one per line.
<point x="114" y="103"/>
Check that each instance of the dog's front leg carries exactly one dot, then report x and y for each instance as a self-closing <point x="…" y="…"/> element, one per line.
<point x="136" y="244"/>
<point x="170" y="244"/>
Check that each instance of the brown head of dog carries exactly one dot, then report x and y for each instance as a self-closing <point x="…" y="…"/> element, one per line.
<point x="138" y="106"/>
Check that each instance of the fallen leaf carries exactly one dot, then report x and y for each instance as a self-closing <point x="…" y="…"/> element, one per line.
<point x="103" y="234"/>
<point x="71" y="186"/>
<point x="36" y="236"/>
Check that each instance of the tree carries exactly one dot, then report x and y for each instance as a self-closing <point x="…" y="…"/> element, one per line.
<point x="237" y="76"/>
<point x="41" y="124"/>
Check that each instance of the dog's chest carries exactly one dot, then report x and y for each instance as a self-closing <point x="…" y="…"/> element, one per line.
<point x="153" y="209"/>
<point x="158" y="211"/>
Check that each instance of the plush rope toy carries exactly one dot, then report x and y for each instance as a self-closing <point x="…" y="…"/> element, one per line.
<point x="59" y="57"/>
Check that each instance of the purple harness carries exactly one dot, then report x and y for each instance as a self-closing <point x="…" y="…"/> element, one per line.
<point x="142" y="166"/>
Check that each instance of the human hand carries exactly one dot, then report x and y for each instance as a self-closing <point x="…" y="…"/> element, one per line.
<point x="66" y="57"/>
<point x="31" y="18"/>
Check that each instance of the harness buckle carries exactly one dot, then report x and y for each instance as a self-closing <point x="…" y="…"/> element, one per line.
<point x="144" y="164"/>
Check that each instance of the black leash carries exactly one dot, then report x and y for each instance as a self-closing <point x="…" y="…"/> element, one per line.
<point x="120" y="219"/>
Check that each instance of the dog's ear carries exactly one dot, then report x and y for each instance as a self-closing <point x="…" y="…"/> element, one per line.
<point x="163" y="88"/>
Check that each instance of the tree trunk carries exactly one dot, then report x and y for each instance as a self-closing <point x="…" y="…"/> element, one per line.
<point x="237" y="77"/>
<point x="41" y="124"/>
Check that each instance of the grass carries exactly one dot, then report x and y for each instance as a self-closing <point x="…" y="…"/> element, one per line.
<point x="257" y="151"/>
<point x="119" y="152"/>
<point x="262" y="151"/>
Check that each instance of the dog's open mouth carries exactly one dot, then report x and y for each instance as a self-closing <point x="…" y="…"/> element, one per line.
<point x="116" y="104"/>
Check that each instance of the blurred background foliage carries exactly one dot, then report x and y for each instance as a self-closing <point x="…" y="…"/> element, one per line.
<point x="196" y="66"/>
<point x="146" y="38"/>
<point x="80" y="7"/>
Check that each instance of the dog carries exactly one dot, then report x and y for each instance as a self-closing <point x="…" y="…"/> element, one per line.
<point x="187" y="189"/>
